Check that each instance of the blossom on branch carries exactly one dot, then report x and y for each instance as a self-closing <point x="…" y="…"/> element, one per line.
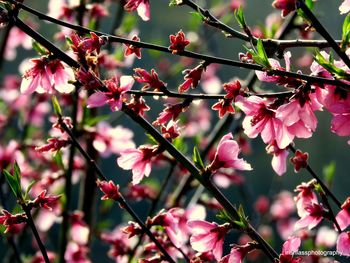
<point x="286" y="6"/>
<point x="208" y="236"/>
<point x="141" y="6"/>
<point x="138" y="160"/>
<point x="343" y="216"/>
<point x="44" y="75"/>
<point x="114" y="97"/>
<point x="151" y="80"/>
<point x="9" y="220"/>
<point x="226" y="155"/>
<point x="45" y="201"/>
<point x="178" y="42"/>
<point x="110" y="190"/>
<point x="131" y="49"/>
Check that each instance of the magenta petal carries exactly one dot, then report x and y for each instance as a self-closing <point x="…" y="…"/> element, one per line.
<point x="343" y="219"/>
<point x="341" y="125"/>
<point x="279" y="162"/>
<point x="98" y="99"/>
<point x="343" y="244"/>
<point x="288" y="113"/>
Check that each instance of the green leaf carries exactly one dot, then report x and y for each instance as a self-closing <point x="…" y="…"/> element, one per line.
<point x="330" y="67"/>
<point x="309" y="4"/>
<point x="198" y="16"/>
<point x="58" y="159"/>
<point x="39" y="48"/>
<point x="93" y="121"/>
<point x="197" y="159"/>
<point x="346" y="32"/>
<point x="14" y="184"/>
<point x="151" y="138"/>
<point x="329" y="171"/>
<point x="259" y="55"/>
<point x="56" y="106"/>
<point x="239" y="15"/>
<point x="17" y="172"/>
<point x="224" y="216"/>
<point x="32" y="183"/>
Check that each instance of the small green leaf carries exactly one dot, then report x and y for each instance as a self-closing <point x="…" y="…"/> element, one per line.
<point x="93" y="121"/>
<point x="56" y="106"/>
<point x="58" y="159"/>
<point x="198" y="16"/>
<point x="239" y="15"/>
<point x="330" y="67"/>
<point x="14" y="184"/>
<point x="17" y="172"/>
<point x="197" y="159"/>
<point x="39" y="48"/>
<point x="328" y="172"/>
<point x="346" y="32"/>
<point x="32" y="183"/>
<point x="151" y="138"/>
<point x="259" y="55"/>
<point x="224" y="216"/>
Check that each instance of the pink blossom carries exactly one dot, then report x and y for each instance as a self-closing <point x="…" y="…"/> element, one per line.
<point x="262" y="205"/>
<point x="178" y="42"/>
<point x="16" y="38"/>
<point x="109" y="139"/>
<point x="76" y="253"/>
<point x="43" y="75"/>
<point x="114" y="97"/>
<point x="238" y="253"/>
<point x="110" y="190"/>
<point x="343" y="244"/>
<point x="223" y="106"/>
<point x="305" y="196"/>
<point x="343" y="216"/>
<point x="142" y="7"/>
<point x="53" y="145"/>
<point x="261" y="118"/>
<point x="279" y="159"/>
<point x="326" y="237"/>
<point x="289" y="247"/>
<point x="79" y="229"/>
<point x="170" y="112"/>
<point x="226" y="155"/>
<point x="286" y="6"/>
<point x="314" y="213"/>
<point x="45" y="201"/>
<point x="283" y="205"/>
<point x="138" y="105"/>
<point x="208" y="236"/>
<point x="298" y="114"/>
<point x="192" y="78"/>
<point x="344" y="7"/>
<point x="299" y="160"/>
<point x="151" y="80"/>
<point x="9" y="220"/>
<point x="131" y="49"/>
<point x="38" y="257"/>
<point x="266" y="77"/>
<point x="138" y="160"/>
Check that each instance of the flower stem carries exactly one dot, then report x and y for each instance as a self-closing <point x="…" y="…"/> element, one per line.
<point x="35" y="233"/>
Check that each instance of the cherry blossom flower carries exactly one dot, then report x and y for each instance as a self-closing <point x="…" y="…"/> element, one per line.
<point x="344" y="7"/>
<point x="299" y="160"/>
<point x="286" y="6"/>
<point x="279" y="159"/>
<point x="343" y="216"/>
<point x="88" y="79"/>
<point x="138" y="105"/>
<point x="289" y="247"/>
<point x="79" y="229"/>
<point x="53" y="145"/>
<point x="43" y="75"/>
<point x="192" y="78"/>
<point x="138" y="160"/>
<point x="151" y="80"/>
<point x="141" y="6"/>
<point x="45" y="201"/>
<point x="38" y="257"/>
<point x="171" y="112"/>
<point x="261" y="118"/>
<point x="343" y="244"/>
<point x="76" y="253"/>
<point x="298" y="114"/>
<point x="9" y="220"/>
<point x="314" y="213"/>
<point x="110" y="190"/>
<point x="131" y="49"/>
<point x="87" y="44"/>
<point x="283" y="206"/>
<point x="262" y="204"/>
<point x="305" y="196"/>
<point x="108" y="140"/>
<point x="114" y="97"/>
<point x="208" y="236"/>
<point x="226" y="155"/>
<point x="326" y="237"/>
<point x="175" y="222"/>
<point x="238" y="253"/>
<point x="178" y="42"/>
